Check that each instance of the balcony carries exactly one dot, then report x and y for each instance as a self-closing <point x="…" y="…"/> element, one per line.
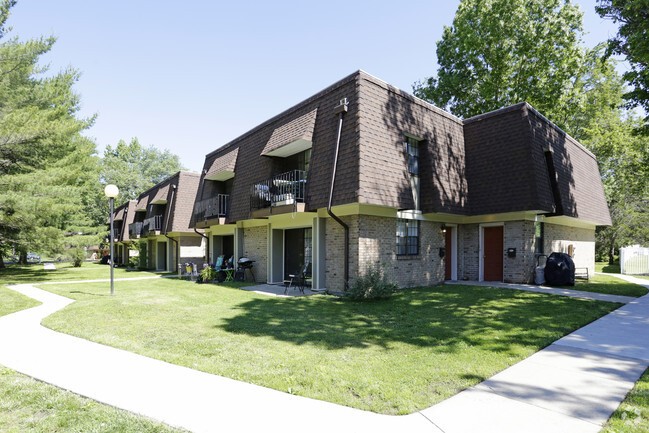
<point x="116" y="233"/>
<point x="281" y="190"/>
<point x="212" y="208"/>
<point x="135" y="230"/>
<point x="152" y="224"/>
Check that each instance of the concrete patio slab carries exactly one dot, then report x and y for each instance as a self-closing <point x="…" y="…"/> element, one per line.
<point x="278" y="291"/>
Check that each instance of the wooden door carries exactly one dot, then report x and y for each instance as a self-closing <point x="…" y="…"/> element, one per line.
<point x="448" y="246"/>
<point x="493" y="253"/>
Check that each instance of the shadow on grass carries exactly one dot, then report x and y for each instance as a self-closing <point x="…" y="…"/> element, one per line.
<point x="449" y="317"/>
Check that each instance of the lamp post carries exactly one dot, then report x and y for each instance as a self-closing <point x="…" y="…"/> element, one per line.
<point x="111" y="192"/>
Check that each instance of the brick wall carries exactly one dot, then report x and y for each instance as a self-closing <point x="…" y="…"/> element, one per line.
<point x="468" y="252"/>
<point x="335" y="252"/>
<point x="559" y="238"/>
<point x="372" y="240"/>
<point x="519" y="235"/>
<point x="255" y="247"/>
<point x="192" y="249"/>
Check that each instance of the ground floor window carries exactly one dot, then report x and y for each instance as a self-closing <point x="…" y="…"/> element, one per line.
<point x="407" y="237"/>
<point x="539" y="230"/>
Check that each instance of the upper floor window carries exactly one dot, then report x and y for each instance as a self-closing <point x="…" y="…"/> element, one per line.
<point x="407" y="237"/>
<point x="412" y="149"/>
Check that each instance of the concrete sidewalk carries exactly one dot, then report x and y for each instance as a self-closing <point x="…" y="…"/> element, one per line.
<point x="571" y="386"/>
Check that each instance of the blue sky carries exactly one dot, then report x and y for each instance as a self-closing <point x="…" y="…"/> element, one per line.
<point x="191" y="76"/>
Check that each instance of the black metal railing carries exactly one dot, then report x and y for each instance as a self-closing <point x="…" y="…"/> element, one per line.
<point x="116" y="232"/>
<point x="135" y="229"/>
<point x="152" y="224"/>
<point x="281" y="189"/>
<point x="215" y="207"/>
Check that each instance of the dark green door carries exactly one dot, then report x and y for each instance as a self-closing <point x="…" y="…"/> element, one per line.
<point x="293" y="251"/>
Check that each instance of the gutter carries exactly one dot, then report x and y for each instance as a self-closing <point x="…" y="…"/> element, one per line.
<point x="173" y="197"/>
<point x="340" y="110"/>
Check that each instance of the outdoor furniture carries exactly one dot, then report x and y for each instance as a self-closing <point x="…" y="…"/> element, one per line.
<point x="229" y="274"/>
<point x="301" y="279"/>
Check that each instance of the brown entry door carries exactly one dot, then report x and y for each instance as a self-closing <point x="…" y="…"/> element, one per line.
<point x="493" y="253"/>
<point x="447" y="255"/>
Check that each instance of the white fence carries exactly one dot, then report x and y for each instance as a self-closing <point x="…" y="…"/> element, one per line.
<point x="634" y="260"/>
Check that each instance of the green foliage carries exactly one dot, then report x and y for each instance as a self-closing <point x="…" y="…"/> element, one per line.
<point x="501" y="52"/>
<point x="208" y="274"/>
<point x="372" y="285"/>
<point x="632" y="41"/>
<point x="47" y="168"/>
<point x="134" y="168"/>
<point x="78" y="255"/>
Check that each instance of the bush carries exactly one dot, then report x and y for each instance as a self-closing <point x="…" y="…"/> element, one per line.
<point x="78" y="255"/>
<point x="208" y="274"/>
<point x="371" y="285"/>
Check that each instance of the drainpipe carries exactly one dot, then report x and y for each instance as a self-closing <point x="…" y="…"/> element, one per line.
<point x="340" y="110"/>
<point x="169" y="205"/>
<point x="207" y="245"/>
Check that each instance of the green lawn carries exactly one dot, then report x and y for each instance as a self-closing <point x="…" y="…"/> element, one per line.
<point x="16" y="274"/>
<point x="611" y="285"/>
<point x="393" y="357"/>
<point x="27" y="405"/>
<point x="633" y="414"/>
<point x="606" y="268"/>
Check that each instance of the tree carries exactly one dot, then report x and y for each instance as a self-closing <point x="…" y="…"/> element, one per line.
<point x="535" y="55"/>
<point x="632" y="41"/>
<point x="501" y="52"/>
<point x="134" y="168"/>
<point x="45" y="164"/>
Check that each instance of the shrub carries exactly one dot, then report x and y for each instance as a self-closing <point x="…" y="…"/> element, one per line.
<point x="208" y="274"/>
<point x="78" y="255"/>
<point x="371" y="285"/>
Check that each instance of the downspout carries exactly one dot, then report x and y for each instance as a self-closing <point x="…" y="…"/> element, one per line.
<point x="207" y="245"/>
<point x="173" y="196"/>
<point x="341" y="109"/>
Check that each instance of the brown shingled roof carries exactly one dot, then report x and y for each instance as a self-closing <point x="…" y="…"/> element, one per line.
<point x="222" y="167"/>
<point x="298" y="133"/>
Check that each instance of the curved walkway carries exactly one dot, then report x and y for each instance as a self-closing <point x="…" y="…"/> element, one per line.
<point x="572" y="385"/>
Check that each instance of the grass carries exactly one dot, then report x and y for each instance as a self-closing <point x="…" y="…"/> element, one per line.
<point x="27" y="405"/>
<point x="610" y="285"/>
<point x="633" y="414"/>
<point x="30" y="405"/>
<point x="393" y="357"/>
<point x="606" y="268"/>
<point x="13" y="301"/>
<point x="17" y="274"/>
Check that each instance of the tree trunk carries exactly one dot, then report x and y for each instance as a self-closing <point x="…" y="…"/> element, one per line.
<point x="611" y="256"/>
<point x="23" y="258"/>
<point x="2" y="262"/>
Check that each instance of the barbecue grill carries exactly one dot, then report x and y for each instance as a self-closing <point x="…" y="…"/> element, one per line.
<point x="242" y="264"/>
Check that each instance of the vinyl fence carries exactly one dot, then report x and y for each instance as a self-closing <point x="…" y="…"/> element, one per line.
<point x="634" y="260"/>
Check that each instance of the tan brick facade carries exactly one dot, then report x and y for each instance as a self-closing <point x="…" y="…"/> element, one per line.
<point x="255" y="247"/>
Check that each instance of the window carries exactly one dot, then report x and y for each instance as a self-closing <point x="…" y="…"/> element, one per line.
<point x="539" y="237"/>
<point x="412" y="151"/>
<point x="407" y="237"/>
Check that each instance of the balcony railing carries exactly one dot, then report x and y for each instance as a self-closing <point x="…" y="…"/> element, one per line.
<point x="116" y="233"/>
<point x="135" y="229"/>
<point x="152" y="224"/>
<point x="215" y="207"/>
<point x="281" y="189"/>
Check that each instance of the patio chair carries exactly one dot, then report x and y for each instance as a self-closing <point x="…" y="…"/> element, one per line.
<point x="300" y="278"/>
